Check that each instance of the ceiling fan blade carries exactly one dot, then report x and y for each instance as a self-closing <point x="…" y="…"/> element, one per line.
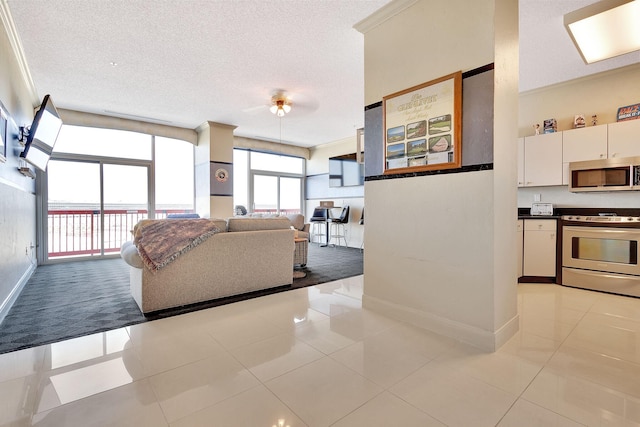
<point x="256" y="109"/>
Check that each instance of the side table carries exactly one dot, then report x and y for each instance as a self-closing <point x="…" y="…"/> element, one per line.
<point x="300" y="252"/>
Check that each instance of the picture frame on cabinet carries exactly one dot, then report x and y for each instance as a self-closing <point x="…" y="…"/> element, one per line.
<point x="630" y="112"/>
<point x="550" y="126"/>
<point x="422" y="126"/>
<point x="579" y="121"/>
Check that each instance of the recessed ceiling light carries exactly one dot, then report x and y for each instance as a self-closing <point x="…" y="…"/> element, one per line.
<point x="113" y="63"/>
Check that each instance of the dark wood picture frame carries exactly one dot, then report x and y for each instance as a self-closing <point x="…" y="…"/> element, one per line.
<point x="422" y="126"/>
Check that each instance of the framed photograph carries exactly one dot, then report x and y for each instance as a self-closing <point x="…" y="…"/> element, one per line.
<point x="423" y="127"/>
<point x="579" y="121"/>
<point x="221" y="182"/>
<point x="4" y="122"/>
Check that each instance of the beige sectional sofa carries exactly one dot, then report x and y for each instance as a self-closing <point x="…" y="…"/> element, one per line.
<point x="248" y="254"/>
<point x="297" y="222"/>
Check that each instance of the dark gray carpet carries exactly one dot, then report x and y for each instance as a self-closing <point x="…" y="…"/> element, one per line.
<point x="73" y="299"/>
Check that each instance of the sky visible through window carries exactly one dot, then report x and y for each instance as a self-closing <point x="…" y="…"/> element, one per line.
<point x="78" y="182"/>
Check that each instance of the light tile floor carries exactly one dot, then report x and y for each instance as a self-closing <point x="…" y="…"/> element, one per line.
<point x="314" y="357"/>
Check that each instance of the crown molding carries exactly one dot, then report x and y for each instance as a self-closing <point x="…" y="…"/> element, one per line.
<point x="16" y="46"/>
<point x="383" y="14"/>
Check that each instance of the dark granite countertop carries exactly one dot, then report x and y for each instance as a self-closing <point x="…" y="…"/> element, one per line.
<point x="525" y="213"/>
<point x="538" y="217"/>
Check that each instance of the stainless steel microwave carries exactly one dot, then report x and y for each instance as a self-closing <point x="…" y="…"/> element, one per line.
<point x="615" y="174"/>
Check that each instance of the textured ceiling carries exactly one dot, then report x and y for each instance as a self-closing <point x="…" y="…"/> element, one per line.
<point x="184" y="62"/>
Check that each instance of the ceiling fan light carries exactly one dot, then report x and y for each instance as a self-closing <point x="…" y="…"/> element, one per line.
<point x="605" y="29"/>
<point x="280" y="107"/>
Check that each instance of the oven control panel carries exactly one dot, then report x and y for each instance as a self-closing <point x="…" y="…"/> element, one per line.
<point x="602" y="218"/>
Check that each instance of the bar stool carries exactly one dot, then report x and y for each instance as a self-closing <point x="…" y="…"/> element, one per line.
<point x="337" y="226"/>
<point x="318" y="223"/>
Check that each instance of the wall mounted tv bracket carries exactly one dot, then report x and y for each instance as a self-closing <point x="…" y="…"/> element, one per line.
<point x="23" y="135"/>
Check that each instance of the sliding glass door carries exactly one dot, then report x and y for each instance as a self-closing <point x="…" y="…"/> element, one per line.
<point x="276" y="194"/>
<point x="93" y="205"/>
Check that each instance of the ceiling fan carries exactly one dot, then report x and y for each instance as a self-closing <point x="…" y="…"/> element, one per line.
<point x="282" y="102"/>
<point x="280" y="105"/>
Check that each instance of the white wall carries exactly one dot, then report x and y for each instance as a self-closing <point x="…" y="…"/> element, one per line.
<point x="600" y="94"/>
<point x="437" y="252"/>
<point x="318" y="164"/>
<point x="17" y="193"/>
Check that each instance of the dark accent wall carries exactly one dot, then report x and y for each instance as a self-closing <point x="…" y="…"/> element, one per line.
<point x="477" y="128"/>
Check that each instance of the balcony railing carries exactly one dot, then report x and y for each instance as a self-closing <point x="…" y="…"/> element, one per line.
<point x="77" y="232"/>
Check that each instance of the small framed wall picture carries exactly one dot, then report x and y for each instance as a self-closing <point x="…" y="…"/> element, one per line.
<point x="221" y="182"/>
<point x="4" y="121"/>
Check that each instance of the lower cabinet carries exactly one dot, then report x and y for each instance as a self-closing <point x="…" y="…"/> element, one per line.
<point x="539" y="248"/>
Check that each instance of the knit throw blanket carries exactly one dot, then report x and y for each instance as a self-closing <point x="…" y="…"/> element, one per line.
<point x="161" y="241"/>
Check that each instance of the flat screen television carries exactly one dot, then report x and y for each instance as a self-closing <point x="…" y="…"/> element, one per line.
<point x="345" y="171"/>
<point x="42" y="135"/>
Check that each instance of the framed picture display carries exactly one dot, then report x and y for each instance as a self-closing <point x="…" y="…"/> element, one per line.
<point x="4" y="124"/>
<point x="423" y="126"/>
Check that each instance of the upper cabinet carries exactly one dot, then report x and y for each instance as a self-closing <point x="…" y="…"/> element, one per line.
<point x="586" y="143"/>
<point x="624" y="139"/>
<point x="543" y="160"/>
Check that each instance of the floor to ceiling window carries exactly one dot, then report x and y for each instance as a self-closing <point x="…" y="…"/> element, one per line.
<point x="101" y="182"/>
<point x="268" y="183"/>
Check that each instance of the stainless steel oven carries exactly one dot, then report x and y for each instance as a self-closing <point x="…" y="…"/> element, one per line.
<point x="601" y="253"/>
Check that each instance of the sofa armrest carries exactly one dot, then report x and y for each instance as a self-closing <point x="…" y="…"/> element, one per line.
<point x="306" y="228"/>
<point x="130" y="255"/>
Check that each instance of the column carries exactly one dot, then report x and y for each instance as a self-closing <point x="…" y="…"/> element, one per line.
<point x="214" y="170"/>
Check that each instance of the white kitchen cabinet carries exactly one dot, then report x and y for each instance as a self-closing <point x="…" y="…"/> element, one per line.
<point x="520" y="143"/>
<point x="588" y="143"/>
<point x="543" y="160"/>
<point x="520" y="246"/>
<point x="624" y="139"/>
<point x="539" y="248"/>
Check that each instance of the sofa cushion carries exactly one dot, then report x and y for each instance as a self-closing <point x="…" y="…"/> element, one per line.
<point x="256" y="224"/>
<point x="220" y="223"/>
<point x="297" y="220"/>
<point x="183" y="216"/>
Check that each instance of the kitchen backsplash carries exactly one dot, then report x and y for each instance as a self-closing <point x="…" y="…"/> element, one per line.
<point x="561" y="197"/>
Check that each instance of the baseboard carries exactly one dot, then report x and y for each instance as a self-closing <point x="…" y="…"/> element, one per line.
<point x="485" y="340"/>
<point x="15" y="293"/>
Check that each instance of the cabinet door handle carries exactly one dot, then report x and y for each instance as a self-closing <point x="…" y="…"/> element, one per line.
<point x="601" y="156"/>
<point x="614" y="154"/>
